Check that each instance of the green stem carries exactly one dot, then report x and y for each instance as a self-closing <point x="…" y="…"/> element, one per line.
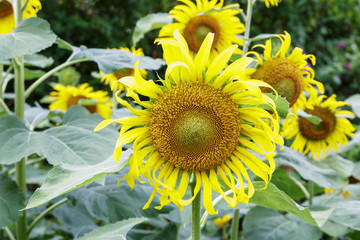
<point x="9" y="233"/>
<point x="195" y="214"/>
<point x="311" y="192"/>
<point x="114" y="101"/>
<point x="51" y="72"/>
<point x="29" y="162"/>
<point x="19" y="87"/>
<point x="235" y="225"/>
<point x="4" y="107"/>
<point x="44" y="213"/>
<point x="250" y="5"/>
<point x="25" y="5"/>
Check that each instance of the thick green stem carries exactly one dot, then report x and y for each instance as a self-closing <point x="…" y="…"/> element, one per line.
<point x="311" y="192"/>
<point x="235" y="225"/>
<point x="44" y="213"/>
<point x="195" y="214"/>
<point x="250" y="5"/>
<point x="49" y="73"/>
<point x="21" y="225"/>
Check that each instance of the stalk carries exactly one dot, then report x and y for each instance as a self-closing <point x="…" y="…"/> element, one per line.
<point x="235" y="225"/>
<point x="250" y="5"/>
<point x="19" y="87"/>
<point x="195" y="214"/>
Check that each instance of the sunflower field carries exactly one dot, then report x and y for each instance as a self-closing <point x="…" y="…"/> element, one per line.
<point x="179" y="119"/>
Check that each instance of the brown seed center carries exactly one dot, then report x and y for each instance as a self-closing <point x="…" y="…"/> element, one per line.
<point x="5" y="8"/>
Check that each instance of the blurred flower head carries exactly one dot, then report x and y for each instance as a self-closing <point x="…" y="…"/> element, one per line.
<point x="68" y="76"/>
<point x="320" y="138"/>
<point x="204" y="123"/>
<point x="94" y="101"/>
<point x="341" y="45"/>
<point x="195" y="21"/>
<point x="269" y="3"/>
<point x="221" y="221"/>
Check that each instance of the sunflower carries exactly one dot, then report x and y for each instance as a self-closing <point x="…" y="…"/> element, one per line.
<point x="202" y="124"/>
<point x="7" y="19"/>
<point x="112" y="78"/>
<point x="67" y="96"/>
<point x="269" y="3"/>
<point x="289" y="75"/>
<point x="319" y="138"/>
<point x="195" y="21"/>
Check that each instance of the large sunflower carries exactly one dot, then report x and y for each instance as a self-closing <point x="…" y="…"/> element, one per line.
<point x="321" y="138"/>
<point x="202" y="122"/>
<point x="195" y="21"/>
<point x="7" y="19"/>
<point x="288" y="74"/>
<point x="67" y="96"/>
<point x="269" y="3"/>
<point x="111" y="79"/>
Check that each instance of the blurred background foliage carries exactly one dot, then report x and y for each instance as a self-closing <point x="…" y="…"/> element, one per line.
<point x="329" y="29"/>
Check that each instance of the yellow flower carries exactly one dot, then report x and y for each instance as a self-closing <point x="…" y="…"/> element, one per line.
<point x="194" y="25"/>
<point x="269" y="3"/>
<point x="222" y="221"/>
<point x="67" y="96"/>
<point x="7" y="19"/>
<point x="200" y="124"/>
<point x="289" y="75"/>
<point x="328" y="134"/>
<point x="112" y="78"/>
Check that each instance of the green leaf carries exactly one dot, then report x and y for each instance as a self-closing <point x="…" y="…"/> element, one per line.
<point x="31" y="74"/>
<point x="324" y="177"/>
<point x="283" y="181"/>
<point x="116" y="201"/>
<point x="30" y="36"/>
<point x="11" y="201"/>
<point x="114" y="231"/>
<point x="346" y="212"/>
<point x="149" y="22"/>
<point x="212" y="10"/>
<point x="62" y="179"/>
<point x="282" y="105"/>
<point x="262" y="223"/>
<point x="38" y="60"/>
<point x="63" y="44"/>
<point x="311" y="118"/>
<point x="272" y="197"/>
<point x="354" y="102"/>
<point x="110" y="60"/>
<point x="74" y="142"/>
<point x="356" y="171"/>
<point x="342" y="166"/>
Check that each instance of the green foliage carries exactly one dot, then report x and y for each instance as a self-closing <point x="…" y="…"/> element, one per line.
<point x="11" y="201"/>
<point x="113" y="231"/>
<point x="31" y="36"/>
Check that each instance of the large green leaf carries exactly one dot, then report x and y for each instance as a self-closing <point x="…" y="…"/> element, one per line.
<point x="354" y="102"/>
<point x="74" y="142"/>
<point x="30" y="36"/>
<point x="11" y="201"/>
<point x="114" y="231"/>
<point x="262" y="223"/>
<point x="272" y="197"/>
<point x="346" y="212"/>
<point x="62" y="179"/>
<point x="114" y="202"/>
<point x="324" y="177"/>
<point x="149" y="22"/>
<point x="110" y="60"/>
<point x="38" y="60"/>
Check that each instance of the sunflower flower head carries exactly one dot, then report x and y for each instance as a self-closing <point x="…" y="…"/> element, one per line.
<point x="195" y="21"/>
<point x="269" y="3"/>
<point x="288" y="74"/>
<point x="328" y="134"/>
<point x="203" y="124"/>
<point x="111" y="79"/>
<point x="95" y="101"/>
<point x="7" y="18"/>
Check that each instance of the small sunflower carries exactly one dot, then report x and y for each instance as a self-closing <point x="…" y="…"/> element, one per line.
<point x="328" y="134"/>
<point x="269" y="3"/>
<point x="202" y="124"/>
<point x="289" y="75"/>
<point x="7" y="19"/>
<point x="112" y="78"/>
<point x="67" y="96"/>
<point x="194" y="24"/>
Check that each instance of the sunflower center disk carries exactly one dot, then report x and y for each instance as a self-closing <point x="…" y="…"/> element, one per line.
<point x="5" y="8"/>
<point x="195" y="126"/>
<point x="197" y="29"/>
<point x="317" y="131"/>
<point x="284" y="76"/>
